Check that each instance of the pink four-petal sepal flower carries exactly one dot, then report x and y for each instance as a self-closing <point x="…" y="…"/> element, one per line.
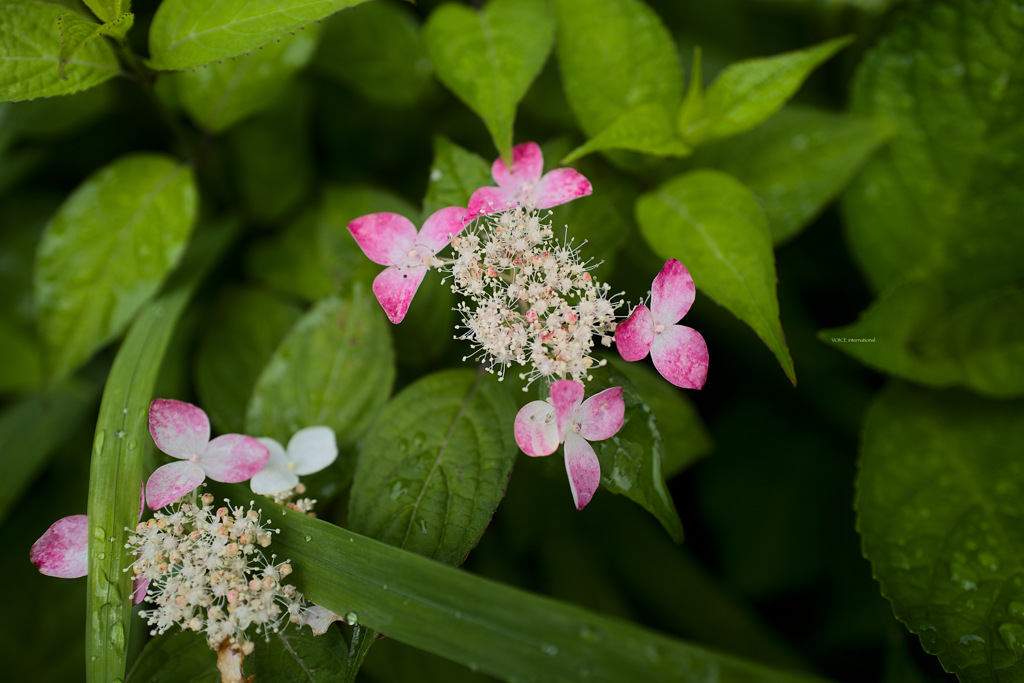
<point x="567" y="419"/>
<point x="392" y="240"/>
<point x="524" y="185"/>
<point x="679" y="353"/>
<point x="182" y="430"/>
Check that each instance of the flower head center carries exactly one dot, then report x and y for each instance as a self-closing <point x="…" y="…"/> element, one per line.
<point x="659" y="328"/>
<point x="194" y="457"/>
<point x="291" y="466"/>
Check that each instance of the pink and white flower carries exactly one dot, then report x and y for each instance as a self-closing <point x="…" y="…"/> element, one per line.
<point x="391" y="240"/>
<point x="567" y="419"/>
<point x="679" y="353"/>
<point x="182" y="430"/>
<point x="309" y="450"/>
<point x="524" y="185"/>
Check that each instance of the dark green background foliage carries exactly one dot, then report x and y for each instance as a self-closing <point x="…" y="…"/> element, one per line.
<point x="843" y="178"/>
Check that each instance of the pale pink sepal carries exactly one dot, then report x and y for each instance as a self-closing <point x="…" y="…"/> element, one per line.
<point x="395" y="288"/>
<point x="633" y="338"/>
<point x="63" y="550"/>
<point x="566" y="395"/>
<point x="681" y="356"/>
<point x="602" y="415"/>
<point x="170" y="482"/>
<point x="232" y="458"/>
<point x="179" y="429"/>
<point x="312" y="449"/>
<point x="441" y="226"/>
<point x="385" y="238"/>
<point x="672" y="293"/>
<point x="560" y="186"/>
<point x="274" y="476"/>
<point x="583" y="468"/>
<point x="536" y="430"/>
<point x="527" y="165"/>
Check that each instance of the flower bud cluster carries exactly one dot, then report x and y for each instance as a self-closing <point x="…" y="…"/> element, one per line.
<point x="208" y="573"/>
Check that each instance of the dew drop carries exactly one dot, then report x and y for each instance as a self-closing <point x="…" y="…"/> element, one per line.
<point x="549" y="649"/>
<point x="590" y="635"/>
<point x="98" y="443"/>
<point x="99" y="533"/>
<point x="93" y="658"/>
<point x="132" y="444"/>
<point x="117" y="636"/>
<point x="457" y="614"/>
<point x="1012" y="636"/>
<point x="124" y="411"/>
<point x="964" y="576"/>
<point x="111" y="539"/>
<point x="352" y="618"/>
<point x="308" y="538"/>
<point x="100" y="556"/>
<point x="119" y="433"/>
<point x="989" y="560"/>
<point x="1016" y="609"/>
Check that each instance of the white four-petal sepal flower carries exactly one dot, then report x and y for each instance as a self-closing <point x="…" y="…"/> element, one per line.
<point x="309" y="450"/>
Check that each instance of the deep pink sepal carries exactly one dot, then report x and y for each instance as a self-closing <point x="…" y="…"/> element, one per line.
<point x="63" y="550"/>
<point x="634" y="336"/>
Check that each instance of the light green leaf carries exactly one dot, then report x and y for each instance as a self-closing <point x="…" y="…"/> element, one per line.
<point x="714" y="225"/>
<point x="376" y="50"/>
<point x="942" y="201"/>
<point x="434" y="467"/>
<point x="108" y="10"/>
<point x="76" y="33"/>
<point x="939" y="501"/>
<point x="615" y="56"/>
<point x="220" y="95"/>
<point x="746" y="93"/>
<point x="488" y="58"/>
<point x="797" y="162"/>
<point x="193" y="659"/>
<point x="454" y="176"/>
<point x="334" y="368"/>
<point x="107" y="251"/>
<point x="185" y="34"/>
<point x="647" y="128"/>
<point x="30" y="55"/>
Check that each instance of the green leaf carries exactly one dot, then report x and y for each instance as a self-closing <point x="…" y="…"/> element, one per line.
<point x="20" y="371"/>
<point x="220" y="95"/>
<point x="631" y="460"/>
<point x="647" y="128"/>
<point x="76" y="33"/>
<point x="115" y="473"/>
<point x="715" y="226"/>
<point x="232" y="353"/>
<point x="30" y="55"/>
<point x="434" y="467"/>
<point x="335" y="368"/>
<point x="454" y="176"/>
<point x="488" y="58"/>
<point x="186" y="34"/>
<point x="940" y="512"/>
<point x="108" y="10"/>
<point x="290" y="262"/>
<point x="797" y="162"/>
<point x="485" y="625"/>
<point x="193" y="660"/>
<point x="942" y="201"/>
<point x="392" y="662"/>
<point x="745" y="94"/>
<point x="107" y="251"/>
<point x="295" y="655"/>
<point x="376" y="50"/>
<point x="615" y="56"/>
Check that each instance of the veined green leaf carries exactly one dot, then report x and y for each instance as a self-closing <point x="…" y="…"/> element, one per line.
<point x="647" y="128"/>
<point x="186" y="34"/>
<point x="717" y="229"/>
<point x="488" y="58"/>
<point x="940" y="512"/>
<point x="107" y="251"/>
<point x="30" y="55"/>
<point x="434" y="467"/>
<point x="455" y="174"/>
<point x="296" y="655"/>
<point x="76" y="33"/>
<point x="108" y="10"/>
<point x="193" y="659"/>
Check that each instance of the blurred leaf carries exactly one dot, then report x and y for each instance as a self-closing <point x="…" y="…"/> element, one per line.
<point x="488" y="58"/>
<point x="30" y="46"/>
<point x="108" y="10"/>
<point x="942" y="200"/>
<point x="455" y="174"/>
<point x="232" y="353"/>
<point x="290" y="261"/>
<point x="393" y="662"/>
<point x="376" y="50"/>
<point x="715" y="225"/>
<point x="107" y="250"/>
<point x="746" y="93"/>
<point x="615" y="56"/>
<point x="220" y="95"/>
<point x="76" y="33"/>
<point x="23" y="219"/>
<point x="295" y="655"/>
<point x="434" y="467"/>
<point x="21" y="368"/>
<point x="185" y="34"/>
<point x="647" y="128"/>
<point x="797" y="162"/>
<point x="335" y="367"/>
<point x="193" y="660"/>
<point x="427" y="330"/>
<point x="940" y="513"/>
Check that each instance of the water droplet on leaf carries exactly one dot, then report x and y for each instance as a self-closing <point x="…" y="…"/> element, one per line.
<point x="549" y="649"/>
<point x="352" y="618"/>
<point x="308" y="538"/>
<point x="1012" y="636"/>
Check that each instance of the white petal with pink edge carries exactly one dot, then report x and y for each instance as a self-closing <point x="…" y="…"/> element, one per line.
<point x="232" y="458"/>
<point x="560" y="186"/>
<point x="395" y="288"/>
<point x="170" y="482"/>
<point x="566" y="395"/>
<point x="680" y="354"/>
<point x="583" y="468"/>
<point x="672" y="293"/>
<point x="179" y="429"/>
<point x="601" y="415"/>
<point x="385" y="238"/>
<point x="535" y="429"/>
<point x="63" y="550"/>
<point x="634" y="336"/>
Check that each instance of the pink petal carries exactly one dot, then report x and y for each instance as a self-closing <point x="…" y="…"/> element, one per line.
<point x="63" y="551"/>
<point x="441" y="226"/>
<point x="385" y="238"/>
<point x="672" y="293"/>
<point x="681" y="356"/>
<point x="601" y="415"/>
<point x="566" y="395"/>
<point x="171" y="482"/>
<point x="395" y="288"/>
<point x="583" y="469"/>
<point x="560" y="186"/>
<point x="491" y="200"/>
<point x="527" y="164"/>
<point x="140" y="585"/>
<point x="634" y="337"/>
<point x="179" y="429"/>
<point x="535" y="428"/>
<point x="312" y="449"/>
<point x="232" y="458"/>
